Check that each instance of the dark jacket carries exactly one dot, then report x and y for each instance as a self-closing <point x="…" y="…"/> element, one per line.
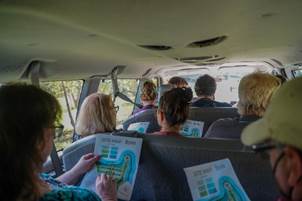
<point x="206" y="102"/>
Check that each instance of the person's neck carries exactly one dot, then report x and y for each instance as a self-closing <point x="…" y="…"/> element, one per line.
<point x="146" y="103"/>
<point x="206" y="97"/>
<point x="247" y="113"/>
<point x="42" y="185"/>
<point x="170" y="129"/>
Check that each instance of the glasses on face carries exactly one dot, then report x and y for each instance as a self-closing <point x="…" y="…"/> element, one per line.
<point x="264" y="148"/>
<point x="58" y="130"/>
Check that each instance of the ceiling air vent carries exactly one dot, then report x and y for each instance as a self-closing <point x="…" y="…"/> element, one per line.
<point x="216" y="59"/>
<point x="207" y="42"/>
<point x="156" y="47"/>
<point x="195" y="59"/>
<point x="206" y="64"/>
<point x="298" y="64"/>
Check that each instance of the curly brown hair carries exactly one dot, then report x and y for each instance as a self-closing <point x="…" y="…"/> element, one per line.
<point x="25" y="112"/>
<point x="178" y="82"/>
<point x="149" y="92"/>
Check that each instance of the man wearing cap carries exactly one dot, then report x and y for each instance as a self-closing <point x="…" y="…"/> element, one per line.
<point x="279" y="133"/>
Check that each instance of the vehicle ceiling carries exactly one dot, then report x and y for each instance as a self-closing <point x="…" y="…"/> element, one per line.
<point x="75" y="39"/>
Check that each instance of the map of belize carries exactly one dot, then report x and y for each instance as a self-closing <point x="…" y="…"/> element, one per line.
<point x="192" y="129"/>
<point x="122" y="168"/>
<point x="229" y="191"/>
<point x="119" y="158"/>
<point x="215" y="181"/>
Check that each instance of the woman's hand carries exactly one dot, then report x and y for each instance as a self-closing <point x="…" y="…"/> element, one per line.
<point x="85" y="163"/>
<point x="106" y="188"/>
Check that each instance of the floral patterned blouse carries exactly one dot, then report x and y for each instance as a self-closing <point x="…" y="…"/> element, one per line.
<point x="63" y="192"/>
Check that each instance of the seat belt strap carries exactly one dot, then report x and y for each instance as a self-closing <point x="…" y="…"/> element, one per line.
<point x="56" y="162"/>
<point x="34" y="75"/>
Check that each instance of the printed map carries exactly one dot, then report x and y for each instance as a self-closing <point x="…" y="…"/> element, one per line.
<point x="215" y="181"/>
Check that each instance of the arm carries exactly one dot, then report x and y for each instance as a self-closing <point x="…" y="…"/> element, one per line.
<point x="106" y="188"/>
<point x="85" y="163"/>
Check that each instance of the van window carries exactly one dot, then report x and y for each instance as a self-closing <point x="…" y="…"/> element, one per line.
<point x="297" y="72"/>
<point x="68" y="94"/>
<point x="227" y="80"/>
<point x="127" y="87"/>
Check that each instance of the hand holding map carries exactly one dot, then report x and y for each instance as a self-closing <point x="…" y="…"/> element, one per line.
<point x="119" y="159"/>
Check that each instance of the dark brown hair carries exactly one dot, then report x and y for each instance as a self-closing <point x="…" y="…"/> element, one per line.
<point x="175" y="105"/>
<point x="148" y="91"/>
<point x="25" y="111"/>
<point x="205" y="85"/>
<point x="178" y="81"/>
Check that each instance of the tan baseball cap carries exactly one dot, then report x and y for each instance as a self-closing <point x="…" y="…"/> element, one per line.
<point x="282" y="120"/>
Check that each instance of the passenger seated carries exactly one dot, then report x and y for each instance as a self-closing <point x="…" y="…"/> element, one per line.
<point x="279" y="135"/>
<point x="173" y="111"/>
<point x="255" y="91"/>
<point x="205" y="88"/>
<point x="178" y="82"/>
<point x="97" y="115"/>
<point x="148" y="96"/>
<point x="28" y="119"/>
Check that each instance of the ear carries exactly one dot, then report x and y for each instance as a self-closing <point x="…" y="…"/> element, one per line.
<point x="294" y="165"/>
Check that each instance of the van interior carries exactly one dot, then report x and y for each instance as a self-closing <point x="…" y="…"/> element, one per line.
<point x="75" y="48"/>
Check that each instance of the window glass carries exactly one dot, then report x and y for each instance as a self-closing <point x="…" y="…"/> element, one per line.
<point x="227" y="80"/>
<point x="297" y="72"/>
<point x="127" y="87"/>
<point x="68" y="94"/>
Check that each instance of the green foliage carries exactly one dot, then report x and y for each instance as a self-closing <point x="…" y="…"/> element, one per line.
<point x="55" y="88"/>
<point x="126" y="86"/>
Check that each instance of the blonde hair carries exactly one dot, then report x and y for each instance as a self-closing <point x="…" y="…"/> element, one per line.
<point x="97" y="114"/>
<point x="255" y="92"/>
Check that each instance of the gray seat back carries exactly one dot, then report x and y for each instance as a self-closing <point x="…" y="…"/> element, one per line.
<point x="173" y="154"/>
<point x="209" y="115"/>
<point x="206" y="115"/>
<point x="161" y="176"/>
<point x="73" y="153"/>
<point x="144" y="116"/>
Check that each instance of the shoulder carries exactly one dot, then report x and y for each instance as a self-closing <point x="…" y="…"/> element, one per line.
<point x="198" y="103"/>
<point x="156" y="133"/>
<point x="222" y="104"/>
<point x="53" y="183"/>
<point x="70" y="193"/>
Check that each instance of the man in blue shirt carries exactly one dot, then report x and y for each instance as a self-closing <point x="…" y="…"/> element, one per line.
<point x="205" y="88"/>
